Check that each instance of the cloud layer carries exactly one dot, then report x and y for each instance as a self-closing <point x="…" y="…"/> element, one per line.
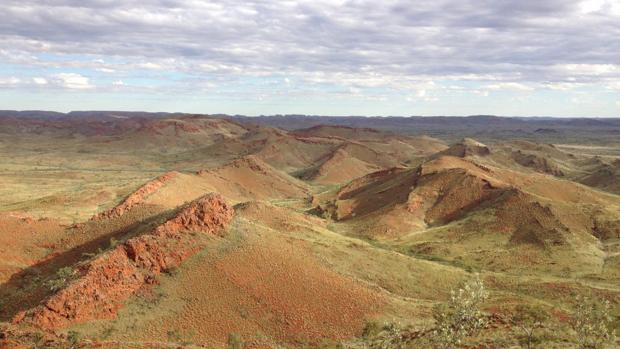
<point x="421" y="52"/>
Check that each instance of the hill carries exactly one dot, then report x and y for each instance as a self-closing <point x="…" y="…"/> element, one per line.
<point x="447" y="199"/>
<point x="176" y="230"/>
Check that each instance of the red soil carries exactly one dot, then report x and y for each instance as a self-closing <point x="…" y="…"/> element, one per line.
<point x="25" y="240"/>
<point x="310" y="300"/>
<point x="270" y="286"/>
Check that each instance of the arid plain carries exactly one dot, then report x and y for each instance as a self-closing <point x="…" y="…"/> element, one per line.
<point x="176" y="230"/>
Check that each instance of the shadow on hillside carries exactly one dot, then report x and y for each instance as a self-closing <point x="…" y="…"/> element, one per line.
<point x="27" y="288"/>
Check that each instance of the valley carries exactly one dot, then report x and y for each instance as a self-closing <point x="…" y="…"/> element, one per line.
<point x="177" y="230"/>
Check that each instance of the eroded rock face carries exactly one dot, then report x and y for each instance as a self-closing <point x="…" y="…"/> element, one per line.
<point x="209" y="214"/>
<point x="104" y="283"/>
<point x="165" y="247"/>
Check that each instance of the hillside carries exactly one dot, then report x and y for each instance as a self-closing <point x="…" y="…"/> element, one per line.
<point x="174" y="230"/>
<point x="434" y="208"/>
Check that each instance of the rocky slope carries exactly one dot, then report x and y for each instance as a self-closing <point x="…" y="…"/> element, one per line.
<point x="100" y="286"/>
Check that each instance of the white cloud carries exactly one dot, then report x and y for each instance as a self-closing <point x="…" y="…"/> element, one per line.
<point x="589" y="69"/>
<point x="493" y="39"/>
<point x="482" y="93"/>
<point x="589" y="6"/>
<point x="614" y="85"/>
<point x="423" y="95"/>
<point x="510" y="86"/>
<point x="9" y="81"/>
<point x="363" y="47"/>
<point x="118" y="83"/>
<point x="583" y="98"/>
<point x="73" y="81"/>
<point x="150" y="65"/>
<point x="39" y="81"/>
<point x="563" y="86"/>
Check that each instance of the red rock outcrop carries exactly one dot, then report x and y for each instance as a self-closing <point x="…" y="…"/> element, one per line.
<point x="136" y="197"/>
<point x="102" y="284"/>
<point x="105" y="283"/>
<point x="164" y="248"/>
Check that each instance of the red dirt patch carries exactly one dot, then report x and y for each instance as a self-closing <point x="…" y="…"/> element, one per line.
<point x="25" y="240"/>
<point x="275" y="287"/>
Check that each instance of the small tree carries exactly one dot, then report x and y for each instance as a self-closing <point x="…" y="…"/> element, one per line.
<point x="461" y="316"/>
<point x="592" y="322"/>
<point x="529" y="318"/>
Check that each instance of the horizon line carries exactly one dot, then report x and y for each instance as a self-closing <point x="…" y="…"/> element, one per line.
<point x="307" y="115"/>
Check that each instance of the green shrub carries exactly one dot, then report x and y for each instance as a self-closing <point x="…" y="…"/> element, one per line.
<point x="63" y="275"/>
<point x="592" y="322"/>
<point x="461" y="316"/>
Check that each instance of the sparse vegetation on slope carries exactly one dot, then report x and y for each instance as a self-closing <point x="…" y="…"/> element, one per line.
<point x="342" y="237"/>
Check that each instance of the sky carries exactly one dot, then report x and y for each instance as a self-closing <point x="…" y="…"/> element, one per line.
<point x="336" y="57"/>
